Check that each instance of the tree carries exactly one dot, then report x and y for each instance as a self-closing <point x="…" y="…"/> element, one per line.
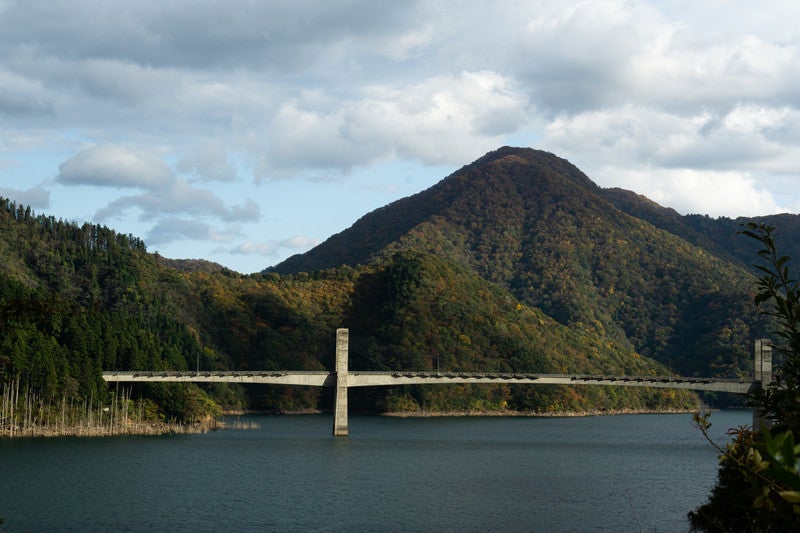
<point x="781" y="400"/>
<point x="758" y="488"/>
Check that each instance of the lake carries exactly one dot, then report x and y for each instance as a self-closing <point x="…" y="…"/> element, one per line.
<point x="608" y="473"/>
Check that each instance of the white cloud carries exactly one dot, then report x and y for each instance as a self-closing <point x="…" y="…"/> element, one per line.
<point x="115" y="166"/>
<point x="274" y="248"/>
<point x="731" y="194"/>
<point x="409" y="43"/>
<point x="577" y="56"/>
<point x="594" y="55"/>
<point x="177" y="209"/>
<point x="209" y="163"/>
<point x="255" y="248"/>
<point x="300" y="242"/>
<point x="739" y="69"/>
<point x="169" y="229"/>
<point x="444" y="119"/>
<point x="22" y="97"/>
<point x="203" y="33"/>
<point x="37" y="197"/>
<point x="677" y="160"/>
<point x="112" y="81"/>
<point x="754" y="119"/>
<point x="181" y="197"/>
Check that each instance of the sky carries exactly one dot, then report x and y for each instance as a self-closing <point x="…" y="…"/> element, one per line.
<point x="243" y="132"/>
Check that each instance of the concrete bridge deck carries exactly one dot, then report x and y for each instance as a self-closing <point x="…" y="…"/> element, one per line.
<point x="322" y="378"/>
<point x="357" y="378"/>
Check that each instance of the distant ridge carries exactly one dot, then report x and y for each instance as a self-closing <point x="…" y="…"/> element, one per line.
<point x="190" y="265"/>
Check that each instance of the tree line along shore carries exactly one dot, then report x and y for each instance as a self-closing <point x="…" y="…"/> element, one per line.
<point x="24" y="413"/>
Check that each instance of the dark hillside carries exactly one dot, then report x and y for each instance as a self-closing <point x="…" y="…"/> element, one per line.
<point x="667" y="219"/>
<point x="720" y="236"/>
<point x="418" y="311"/>
<point x="725" y="232"/>
<point x="78" y="299"/>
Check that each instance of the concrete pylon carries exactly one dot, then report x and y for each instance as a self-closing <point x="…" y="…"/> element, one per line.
<point x="340" y="401"/>
<point x="762" y="376"/>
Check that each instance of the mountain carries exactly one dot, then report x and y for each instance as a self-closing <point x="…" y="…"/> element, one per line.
<point x="483" y="189"/>
<point x="606" y="260"/>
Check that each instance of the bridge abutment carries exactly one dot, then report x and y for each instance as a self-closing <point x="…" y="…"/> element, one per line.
<point x="342" y="382"/>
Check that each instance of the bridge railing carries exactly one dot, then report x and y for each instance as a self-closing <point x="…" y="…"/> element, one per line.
<point x="512" y="375"/>
<point x="213" y="372"/>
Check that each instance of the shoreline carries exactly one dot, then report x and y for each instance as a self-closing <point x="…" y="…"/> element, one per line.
<point x="158" y="429"/>
<point x="478" y="412"/>
<point x="537" y="414"/>
<point x="135" y="429"/>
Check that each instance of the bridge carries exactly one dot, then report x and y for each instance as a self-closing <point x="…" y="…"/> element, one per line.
<point x="343" y="378"/>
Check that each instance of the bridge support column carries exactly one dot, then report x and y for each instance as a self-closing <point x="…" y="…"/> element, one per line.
<point x="342" y="371"/>
<point x="762" y="376"/>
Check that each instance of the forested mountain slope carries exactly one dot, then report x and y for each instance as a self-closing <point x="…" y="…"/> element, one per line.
<point x="535" y="225"/>
<point x="515" y="263"/>
<point x="76" y="300"/>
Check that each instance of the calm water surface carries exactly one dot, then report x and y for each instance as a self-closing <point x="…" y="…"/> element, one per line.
<point x="615" y="473"/>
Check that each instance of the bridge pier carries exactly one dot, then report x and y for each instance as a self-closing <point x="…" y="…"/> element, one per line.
<point x="342" y="382"/>
<point x="762" y="376"/>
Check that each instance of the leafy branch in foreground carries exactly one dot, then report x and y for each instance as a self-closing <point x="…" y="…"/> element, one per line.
<point x="758" y="488"/>
<point x="769" y="462"/>
<point x="780" y="400"/>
